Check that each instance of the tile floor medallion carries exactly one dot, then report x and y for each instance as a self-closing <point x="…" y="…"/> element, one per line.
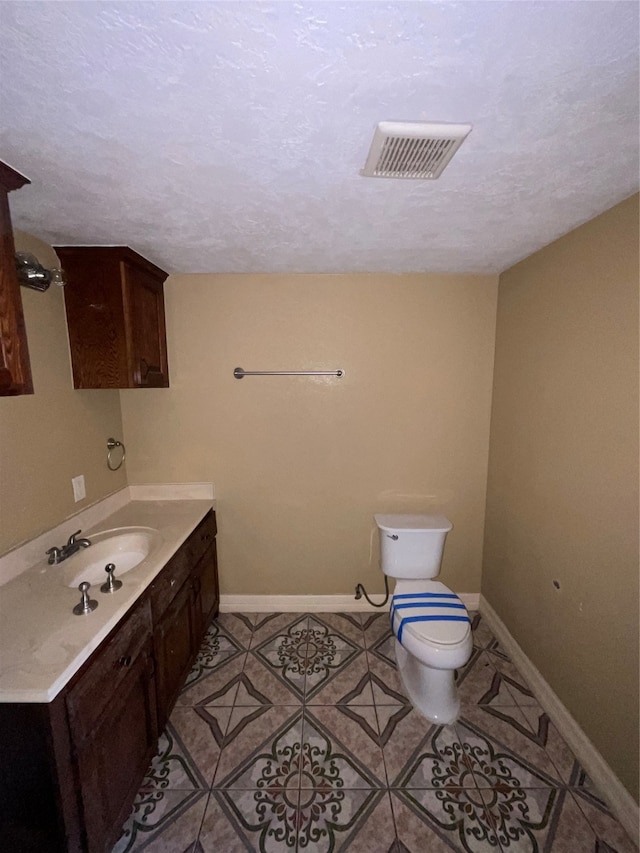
<point x="299" y="790"/>
<point x="293" y="732"/>
<point x="306" y="655"/>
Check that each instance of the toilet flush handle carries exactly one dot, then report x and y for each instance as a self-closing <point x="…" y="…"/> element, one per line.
<point x="392" y="536"/>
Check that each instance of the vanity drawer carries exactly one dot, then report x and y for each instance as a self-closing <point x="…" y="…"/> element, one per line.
<point x="110" y="665"/>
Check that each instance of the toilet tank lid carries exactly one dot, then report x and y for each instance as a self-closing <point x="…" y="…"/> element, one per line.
<point x="413" y="522"/>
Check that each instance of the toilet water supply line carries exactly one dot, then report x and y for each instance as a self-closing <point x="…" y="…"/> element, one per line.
<point x="360" y="590"/>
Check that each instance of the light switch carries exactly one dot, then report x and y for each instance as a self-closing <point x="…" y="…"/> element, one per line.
<point x="79" y="491"/>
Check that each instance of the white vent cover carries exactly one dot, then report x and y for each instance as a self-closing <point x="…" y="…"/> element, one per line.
<point x="413" y="149"/>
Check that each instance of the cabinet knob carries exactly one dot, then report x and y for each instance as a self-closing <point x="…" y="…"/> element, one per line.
<point x="125" y="660"/>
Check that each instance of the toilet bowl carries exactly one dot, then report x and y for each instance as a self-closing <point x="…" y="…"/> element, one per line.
<point x="429" y="650"/>
<point x="430" y="623"/>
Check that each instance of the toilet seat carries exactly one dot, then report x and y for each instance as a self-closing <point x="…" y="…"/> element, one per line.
<point x="428" y="613"/>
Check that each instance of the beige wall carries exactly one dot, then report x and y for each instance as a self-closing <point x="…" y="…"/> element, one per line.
<point x="48" y="437"/>
<point x="300" y="465"/>
<point x="562" y="498"/>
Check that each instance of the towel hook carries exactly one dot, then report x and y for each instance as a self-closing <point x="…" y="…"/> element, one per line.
<point x="111" y="446"/>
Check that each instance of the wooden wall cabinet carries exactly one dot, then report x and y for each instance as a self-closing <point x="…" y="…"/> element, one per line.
<point x="114" y="299"/>
<point x="70" y="770"/>
<point x="15" y="368"/>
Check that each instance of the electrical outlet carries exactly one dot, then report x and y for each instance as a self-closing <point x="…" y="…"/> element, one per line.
<point x="79" y="491"/>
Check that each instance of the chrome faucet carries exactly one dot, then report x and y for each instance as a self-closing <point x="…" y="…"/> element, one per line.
<point x="57" y="555"/>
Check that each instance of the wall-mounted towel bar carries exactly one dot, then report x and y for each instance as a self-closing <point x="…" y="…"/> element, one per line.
<point x="239" y="373"/>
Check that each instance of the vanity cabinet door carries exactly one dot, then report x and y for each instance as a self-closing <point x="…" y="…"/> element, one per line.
<point x="203" y="558"/>
<point x="91" y="694"/>
<point x="114" y="757"/>
<point x="208" y="600"/>
<point x="111" y="708"/>
<point x="175" y="638"/>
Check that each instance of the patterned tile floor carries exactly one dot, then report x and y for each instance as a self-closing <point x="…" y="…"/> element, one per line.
<point x="293" y="733"/>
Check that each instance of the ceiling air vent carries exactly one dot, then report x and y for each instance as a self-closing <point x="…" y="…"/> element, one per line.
<point x="413" y="149"/>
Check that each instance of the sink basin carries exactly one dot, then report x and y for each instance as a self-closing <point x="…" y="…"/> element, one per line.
<point x="125" y="547"/>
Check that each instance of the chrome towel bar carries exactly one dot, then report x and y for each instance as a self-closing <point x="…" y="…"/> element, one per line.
<point x="239" y="373"/>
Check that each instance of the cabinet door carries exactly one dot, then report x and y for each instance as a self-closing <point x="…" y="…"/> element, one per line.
<point x="113" y="759"/>
<point x="95" y="318"/>
<point x="15" y="368"/>
<point x="175" y="640"/>
<point x="144" y="310"/>
<point x="208" y="592"/>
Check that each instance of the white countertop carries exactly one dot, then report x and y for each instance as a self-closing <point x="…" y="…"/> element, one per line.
<point x="42" y="643"/>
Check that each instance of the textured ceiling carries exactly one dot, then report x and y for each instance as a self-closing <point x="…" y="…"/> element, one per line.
<point x="229" y="136"/>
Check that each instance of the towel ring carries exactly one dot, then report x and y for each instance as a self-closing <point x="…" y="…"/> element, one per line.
<point x="111" y="446"/>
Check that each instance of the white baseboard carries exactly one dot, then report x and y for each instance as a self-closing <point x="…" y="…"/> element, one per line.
<point x="622" y="804"/>
<point x="312" y="603"/>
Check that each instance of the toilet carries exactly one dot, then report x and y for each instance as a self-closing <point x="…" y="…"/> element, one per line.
<point x="430" y="623"/>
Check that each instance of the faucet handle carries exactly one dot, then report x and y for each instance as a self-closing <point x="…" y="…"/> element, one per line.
<point x="72" y="538"/>
<point x="86" y="605"/>
<point x="111" y="584"/>
<point x="54" y="555"/>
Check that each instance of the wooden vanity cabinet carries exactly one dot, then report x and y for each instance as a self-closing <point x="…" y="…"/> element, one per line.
<point x="114" y="299"/>
<point x="70" y="769"/>
<point x="15" y="367"/>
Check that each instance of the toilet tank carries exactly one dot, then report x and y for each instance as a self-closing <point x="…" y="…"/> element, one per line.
<point x="411" y="546"/>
